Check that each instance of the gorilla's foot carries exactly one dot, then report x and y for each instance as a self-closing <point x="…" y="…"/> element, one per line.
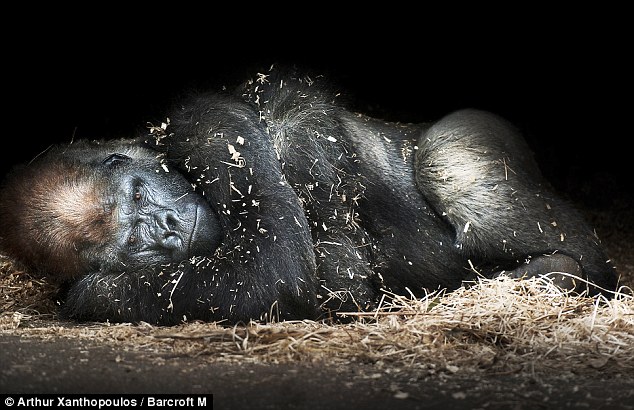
<point x="563" y="270"/>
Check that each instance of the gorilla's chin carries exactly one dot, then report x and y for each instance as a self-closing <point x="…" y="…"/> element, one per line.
<point x="205" y="235"/>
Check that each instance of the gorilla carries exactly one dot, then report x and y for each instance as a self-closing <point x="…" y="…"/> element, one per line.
<point x="276" y="202"/>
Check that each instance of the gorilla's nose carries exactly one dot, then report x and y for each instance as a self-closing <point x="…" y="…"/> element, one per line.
<point x="167" y="220"/>
<point x="167" y="229"/>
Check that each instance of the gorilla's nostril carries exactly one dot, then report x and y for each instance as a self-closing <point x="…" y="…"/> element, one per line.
<point x="171" y="222"/>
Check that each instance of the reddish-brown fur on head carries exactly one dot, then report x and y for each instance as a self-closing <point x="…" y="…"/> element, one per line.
<point x="54" y="217"/>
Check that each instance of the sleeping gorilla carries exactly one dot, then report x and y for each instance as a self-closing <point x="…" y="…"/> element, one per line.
<point x="277" y="202"/>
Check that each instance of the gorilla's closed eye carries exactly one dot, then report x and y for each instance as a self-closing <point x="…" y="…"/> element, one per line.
<point x="115" y="159"/>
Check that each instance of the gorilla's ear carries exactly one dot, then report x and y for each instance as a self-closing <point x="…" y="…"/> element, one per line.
<point x="115" y="159"/>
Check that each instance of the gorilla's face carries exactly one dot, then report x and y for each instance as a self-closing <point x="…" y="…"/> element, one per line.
<point x="159" y="217"/>
<point x="110" y="207"/>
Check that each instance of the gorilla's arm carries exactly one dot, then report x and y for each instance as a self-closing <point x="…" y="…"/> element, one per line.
<point x="266" y="253"/>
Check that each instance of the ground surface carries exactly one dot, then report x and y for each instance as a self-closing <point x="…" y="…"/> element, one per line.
<point x="62" y="366"/>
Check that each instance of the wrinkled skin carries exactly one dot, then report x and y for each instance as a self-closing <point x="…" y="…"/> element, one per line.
<point x="276" y="202"/>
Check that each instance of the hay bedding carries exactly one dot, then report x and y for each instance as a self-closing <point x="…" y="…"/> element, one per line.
<point x="500" y="326"/>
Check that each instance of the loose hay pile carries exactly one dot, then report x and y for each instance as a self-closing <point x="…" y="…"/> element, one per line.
<point x="22" y="293"/>
<point x="500" y="325"/>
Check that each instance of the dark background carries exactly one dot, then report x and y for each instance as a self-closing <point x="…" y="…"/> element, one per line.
<point x="568" y="91"/>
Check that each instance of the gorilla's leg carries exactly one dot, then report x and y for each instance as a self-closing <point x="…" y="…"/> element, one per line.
<point x="477" y="171"/>
<point x="562" y="270"/>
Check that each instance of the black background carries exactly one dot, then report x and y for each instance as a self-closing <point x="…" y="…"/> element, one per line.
<point x="568" y="87"/>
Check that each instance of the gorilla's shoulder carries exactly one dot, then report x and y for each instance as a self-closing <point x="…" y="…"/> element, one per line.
<point x="291" y="96"/>
<point x="284" y="87"/>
